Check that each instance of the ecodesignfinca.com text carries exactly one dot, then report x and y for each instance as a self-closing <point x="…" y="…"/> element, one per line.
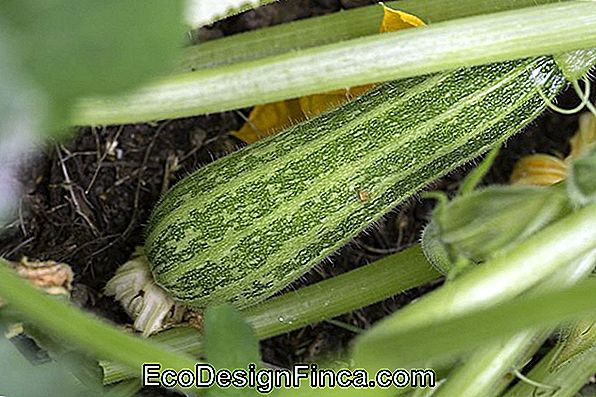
<point x="264" y="380"/>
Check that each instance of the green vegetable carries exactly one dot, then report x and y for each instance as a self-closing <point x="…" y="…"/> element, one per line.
<point x="248" y="224"/>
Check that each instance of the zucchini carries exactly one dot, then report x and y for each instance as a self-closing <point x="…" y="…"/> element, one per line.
<point x="243" y="227"/>
<point x="246" y="225"/>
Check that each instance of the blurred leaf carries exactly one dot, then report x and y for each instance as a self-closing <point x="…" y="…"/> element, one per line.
<point x="85" y="47"/>
<point x="54" y="51"/>
<point x="407" y="348"/>
<point x="230" y="343"/>
<point x="270" y="118"/>
<point x="19" y="378"/>
<point x="83" y="367"/>
<point x="80" y="330"/>
<point x="21" y="113"/>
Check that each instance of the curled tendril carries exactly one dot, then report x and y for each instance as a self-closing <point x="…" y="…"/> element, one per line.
<point x="586" y="94"/>
<point x="591" y="108"/>
<point x="585" y="99"/>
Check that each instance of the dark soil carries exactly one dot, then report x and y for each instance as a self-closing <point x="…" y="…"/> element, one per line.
<point x="86" y="200"/>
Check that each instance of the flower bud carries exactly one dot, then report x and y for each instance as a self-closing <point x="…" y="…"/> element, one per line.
<point x="486" y="222"/>
<point x="539" y="170"/>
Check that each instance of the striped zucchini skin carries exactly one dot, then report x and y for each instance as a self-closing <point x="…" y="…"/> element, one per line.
<point x="246" y="225"/>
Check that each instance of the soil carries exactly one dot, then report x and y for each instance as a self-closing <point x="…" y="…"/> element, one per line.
<point x="86" y="200"/>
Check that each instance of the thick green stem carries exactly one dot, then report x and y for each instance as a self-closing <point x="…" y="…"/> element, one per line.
<point x="350" y="291"/>
<point x="530" y="31"/>
<point x="333" y="28"/>
<point x="472" y="329"/>
<point x="458" y="336"/>
<point x="185" y="340"/>
<point x="484" y="372"/>
<point x="80" y="329"/>
<point x="503" y="278"/>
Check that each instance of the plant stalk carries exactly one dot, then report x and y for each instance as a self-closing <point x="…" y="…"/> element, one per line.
<point x="531" y="31"/>
<point x="332" y="28"/>
<point x="485" y="371"/>
<point x="358" y="288"/>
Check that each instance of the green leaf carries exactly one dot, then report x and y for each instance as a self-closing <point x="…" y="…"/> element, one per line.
<point x="21" y="113"/>
<point x="21" y="378"/>
<point x="230" y="343"/>
<point x="54" y="51"/>
<point x="85" y="47"/>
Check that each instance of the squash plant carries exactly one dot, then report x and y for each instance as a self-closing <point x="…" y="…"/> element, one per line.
<point x="246" y="225"/>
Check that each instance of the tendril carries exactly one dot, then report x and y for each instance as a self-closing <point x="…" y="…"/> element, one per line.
<point x="534" y="383"/>
<point x="591" y="108"/>
<point x="585" y="97"/>
<point x="589" y="104"/>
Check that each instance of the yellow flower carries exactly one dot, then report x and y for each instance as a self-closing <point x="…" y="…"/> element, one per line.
<point x="544" y="169"/>
<point x="270" y="118"/>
